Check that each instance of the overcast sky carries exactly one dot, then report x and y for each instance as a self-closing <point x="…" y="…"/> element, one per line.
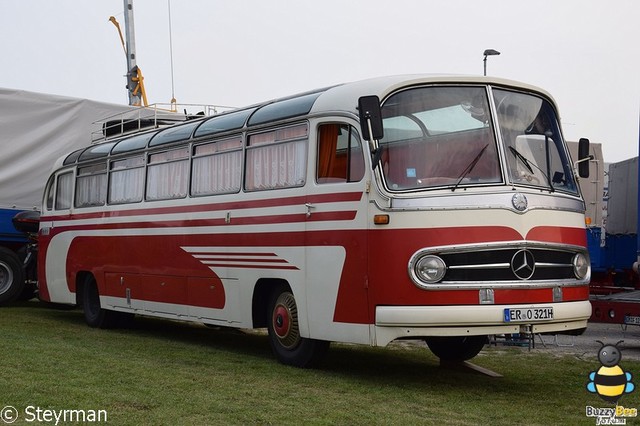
<point x="586" y="53"/>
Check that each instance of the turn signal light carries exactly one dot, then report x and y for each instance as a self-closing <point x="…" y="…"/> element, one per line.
<point x="381" y="219"/>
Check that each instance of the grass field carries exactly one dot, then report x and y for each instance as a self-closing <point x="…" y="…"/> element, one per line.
<point x="168" y="373"/>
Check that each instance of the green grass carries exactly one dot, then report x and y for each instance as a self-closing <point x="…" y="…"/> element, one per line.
<point x="162" y="372"/>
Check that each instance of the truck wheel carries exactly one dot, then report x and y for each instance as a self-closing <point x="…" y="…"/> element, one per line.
<point x="456" y="348"/>
<point x="28" y="292"/>
<point x="11" y="276"/>
<point x="94" y="315"/>
<point x="284" y="333"/>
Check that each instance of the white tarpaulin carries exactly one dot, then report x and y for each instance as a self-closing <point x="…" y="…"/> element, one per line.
<point x="35" y="130"/>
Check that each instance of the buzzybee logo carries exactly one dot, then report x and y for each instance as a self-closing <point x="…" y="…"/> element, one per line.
<point x="610" y="382"/>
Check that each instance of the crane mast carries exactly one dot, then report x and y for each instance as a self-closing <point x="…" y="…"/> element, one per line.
<point x="135" y="80"/>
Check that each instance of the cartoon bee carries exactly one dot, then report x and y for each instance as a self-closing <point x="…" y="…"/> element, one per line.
<point x="610" y="381"/>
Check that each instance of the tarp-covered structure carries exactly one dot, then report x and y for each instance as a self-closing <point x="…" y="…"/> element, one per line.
<point x="35" y="130"/>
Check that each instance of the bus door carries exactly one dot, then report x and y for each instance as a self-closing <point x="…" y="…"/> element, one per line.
<point x="336" y="237"/>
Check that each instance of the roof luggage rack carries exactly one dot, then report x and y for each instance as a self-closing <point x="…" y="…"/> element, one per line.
<point x="150" y="117"/>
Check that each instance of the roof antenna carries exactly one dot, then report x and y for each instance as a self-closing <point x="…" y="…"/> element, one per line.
<point x="173" y="96"/>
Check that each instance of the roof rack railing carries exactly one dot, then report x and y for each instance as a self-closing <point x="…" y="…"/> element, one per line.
<point x="151" y="117"/>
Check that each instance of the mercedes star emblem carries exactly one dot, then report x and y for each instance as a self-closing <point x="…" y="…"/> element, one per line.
<point x="519" y="201"/>
<point x="523" y="264"/>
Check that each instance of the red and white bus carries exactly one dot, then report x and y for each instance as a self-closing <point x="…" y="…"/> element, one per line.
<point x="421" y="207"/>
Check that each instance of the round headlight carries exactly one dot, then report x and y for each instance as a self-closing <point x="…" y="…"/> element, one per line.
<point x="580" y="266"/>
<point x="430" y="269"/>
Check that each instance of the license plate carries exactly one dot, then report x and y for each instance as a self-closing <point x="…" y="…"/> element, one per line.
<point x="629" y="319"/>
<point x="528" y="314"/>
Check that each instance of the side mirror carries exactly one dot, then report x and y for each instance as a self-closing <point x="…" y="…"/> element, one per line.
<point x="370" y="118"/>
<point x="583" y="158"/>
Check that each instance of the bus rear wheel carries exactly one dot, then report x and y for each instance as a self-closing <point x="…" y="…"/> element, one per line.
<point x="456" y="349"/>
<point x="284" y="333"/>
<point x="94" y="315"/>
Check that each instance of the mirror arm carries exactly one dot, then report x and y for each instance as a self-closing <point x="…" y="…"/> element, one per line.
<point x="372" y="141"/>
<point x="582" y="160"/>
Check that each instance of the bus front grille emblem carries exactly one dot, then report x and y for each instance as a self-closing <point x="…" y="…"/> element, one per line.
<point x="523" y="264"/>
<point x="519" y="202"/>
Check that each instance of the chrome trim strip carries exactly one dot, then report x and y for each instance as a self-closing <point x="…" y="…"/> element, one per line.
<point x="553" y="265"/>
<point x="477" y="200"/>
<point x="520" y="244"/>
<point x="481" y="266"/>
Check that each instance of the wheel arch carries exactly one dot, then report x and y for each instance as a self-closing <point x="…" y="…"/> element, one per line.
<point x="262" y="292"/>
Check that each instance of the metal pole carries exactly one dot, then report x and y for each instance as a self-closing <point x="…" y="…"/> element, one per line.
<point x="134" y="99"/>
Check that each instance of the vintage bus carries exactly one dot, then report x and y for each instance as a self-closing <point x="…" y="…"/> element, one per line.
<point x="443" y="208"/>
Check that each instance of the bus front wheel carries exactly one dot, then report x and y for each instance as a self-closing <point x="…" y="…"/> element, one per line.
<point x="284" y="332"/>
<point x="456" y="348"/>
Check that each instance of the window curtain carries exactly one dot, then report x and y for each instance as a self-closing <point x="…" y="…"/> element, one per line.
<point x="216" y="174"/>
<point x="91" y="190"/>
<point x="167" y="180"/>
<point x="277" y="166"/>
<point x="64" y="190"/>
<point x="327" y="145"/>
<point x="126" y="185"/>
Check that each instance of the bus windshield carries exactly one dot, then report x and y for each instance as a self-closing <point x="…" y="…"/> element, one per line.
<point x="533" y="143"/>
<point x="443" y="136"/>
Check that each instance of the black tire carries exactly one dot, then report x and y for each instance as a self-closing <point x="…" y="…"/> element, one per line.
<point x="11" y="276"/>
<point x="30" y="268"/>
<point x="284" y="334"/>
<point x="28" y="292"/>
<point x="94" y="315"/>
<point x="456" y="349"/>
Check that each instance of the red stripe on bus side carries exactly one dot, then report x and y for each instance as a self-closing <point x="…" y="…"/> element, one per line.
<point x="235" y="205"/>
<point x="186" y="223"/>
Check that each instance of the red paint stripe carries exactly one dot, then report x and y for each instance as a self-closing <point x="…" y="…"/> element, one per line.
<point x="220" y="253"/>
<point x="224" y="265"/>
<point x="558" y="234"/>
<point x="254" y="220"/>
<point x="234" y="205"/>
<point x="208" y="260"/>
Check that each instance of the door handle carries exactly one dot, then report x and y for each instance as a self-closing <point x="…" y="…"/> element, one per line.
<point x="309" y="206"/>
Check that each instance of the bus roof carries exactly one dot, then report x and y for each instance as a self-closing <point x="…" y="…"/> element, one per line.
<point x="345" y="96"/>
<point x="339" y="98"/>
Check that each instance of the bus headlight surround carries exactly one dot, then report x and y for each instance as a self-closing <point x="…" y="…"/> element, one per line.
<point x="580" y="266"/>
<point x="427" y="269"/>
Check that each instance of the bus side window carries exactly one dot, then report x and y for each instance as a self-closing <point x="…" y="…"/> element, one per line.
<point x="167" y="174"/>
<point x="340" y="157"/>
<point x="91" y="185"/>
<point x="126" y="180"/>
<point x="277" y="158"/>
<point x="217" y="167"/>
<point x="50" y="194"/>
<point x="63" y="191"/>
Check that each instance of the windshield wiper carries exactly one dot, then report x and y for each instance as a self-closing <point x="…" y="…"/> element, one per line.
<point x="469" y="168"/>
<point x="522" y="158"/>
<point x="528" y="165"/>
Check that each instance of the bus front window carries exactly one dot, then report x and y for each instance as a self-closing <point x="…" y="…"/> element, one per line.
<point x="533" y="143"/>
<point x="438" y="137"/>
